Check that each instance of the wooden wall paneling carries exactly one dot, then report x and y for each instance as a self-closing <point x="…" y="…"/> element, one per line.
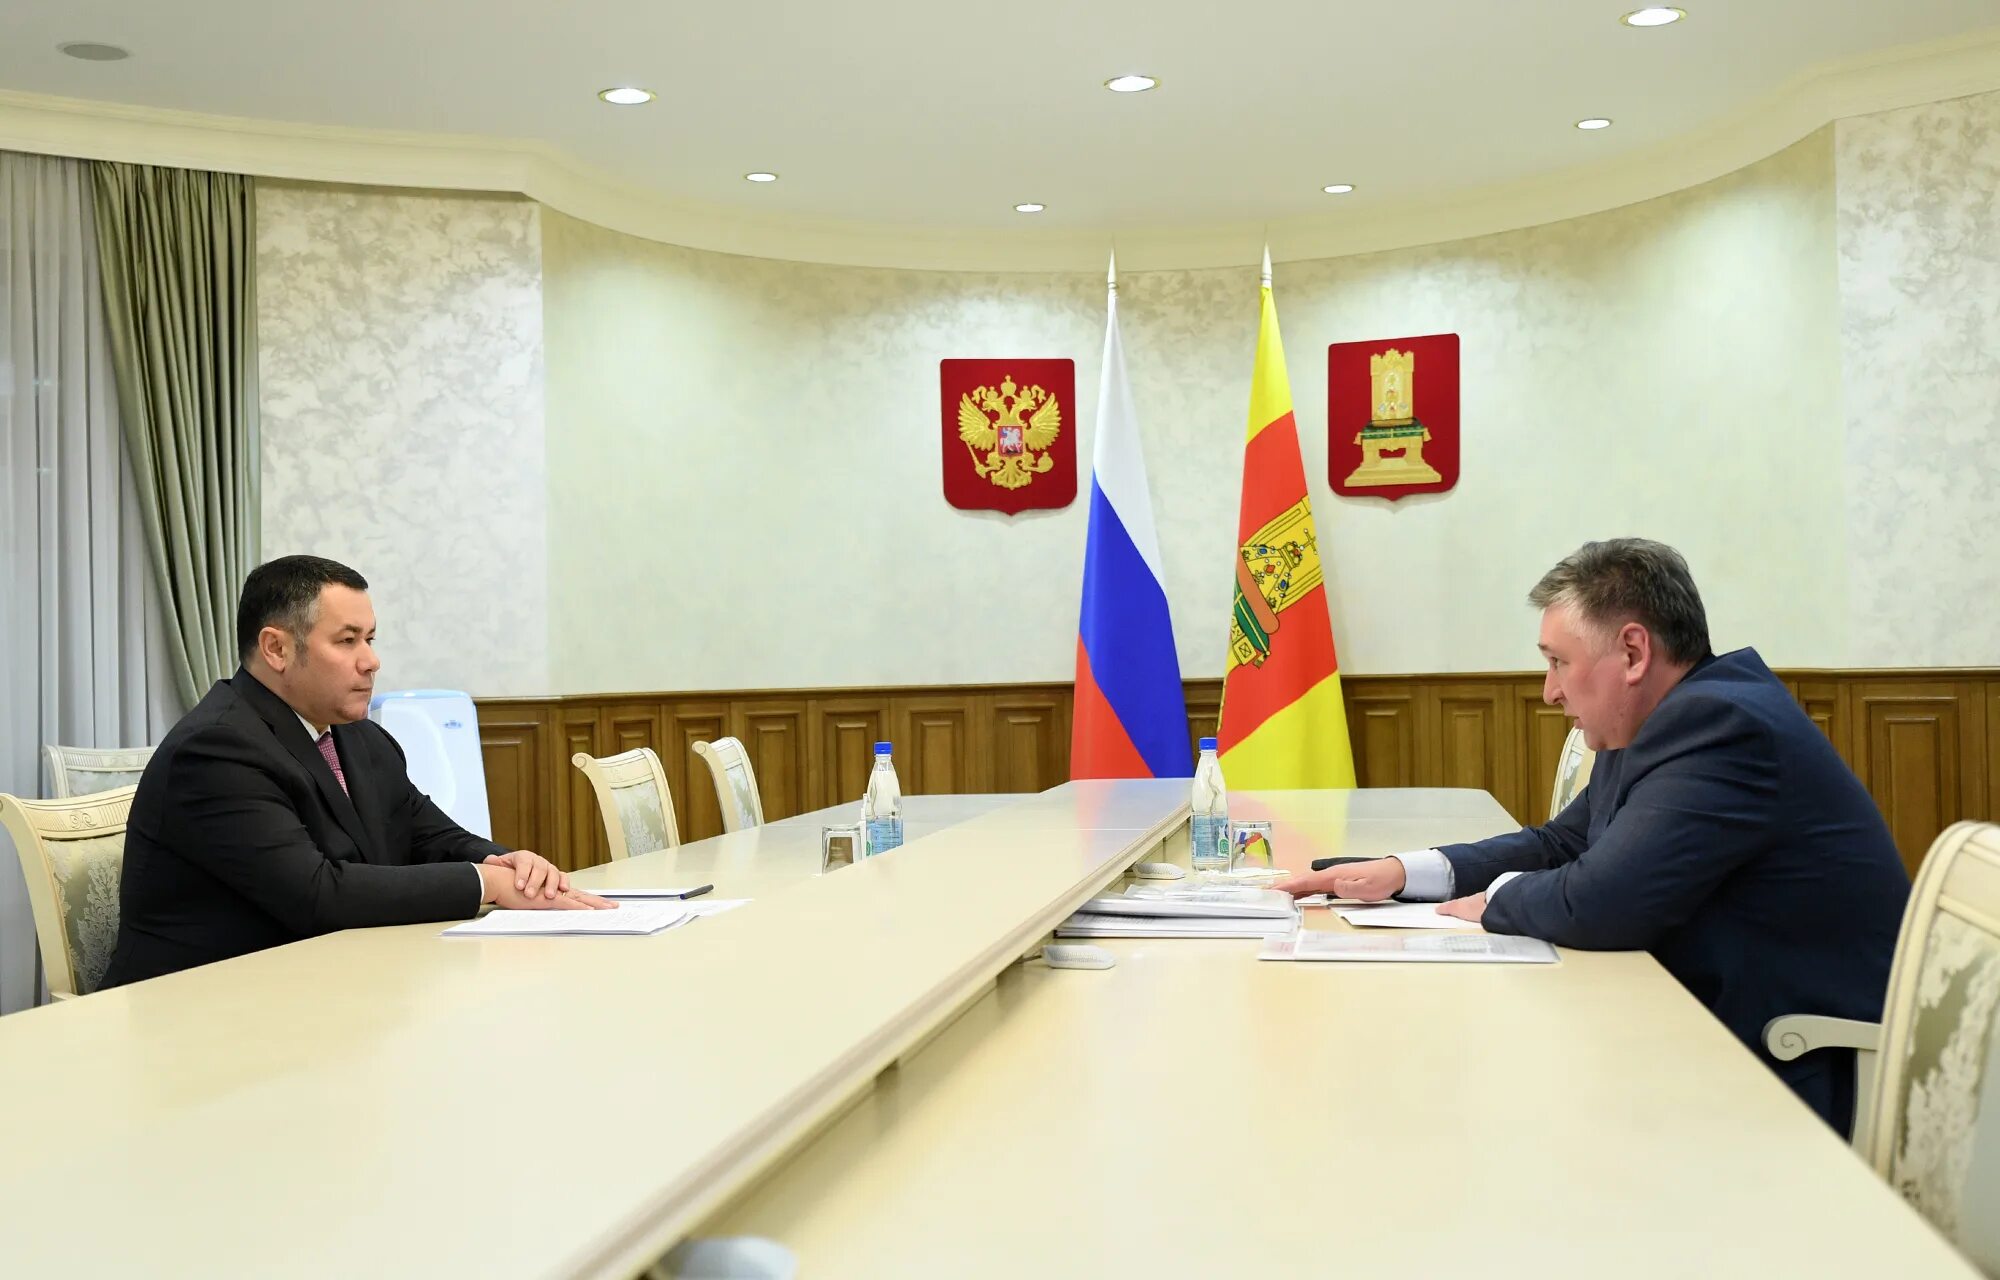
<point x="1992" y="810"/>
<point x="1382" y="726"/>
<point x="514" y="742"/>
<point x="1030" y="739"/>
<point x="1827" y="705"/>
<point x="626" y="726"/>
<point x="685" y="723"/>
<point x="1542" y="729"/>
<point x="1921" y="755"/>
<point x="845" y="729"/>
<point x="773" y="732"/>
<point x="1978" y="751"/>
<point x="1926" y="744"/>
<point x="579" y="829"/>
<point x="1466" y="732"/>
<point x="943" y="742"/>
<point x="1204" y="711"/>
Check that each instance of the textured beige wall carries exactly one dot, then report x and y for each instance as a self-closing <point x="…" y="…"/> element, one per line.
<point x="401" y="337"/>
<point x="1791" y="377"/>
<point x="1920" y="333"/>
<point x="743" y="461"/>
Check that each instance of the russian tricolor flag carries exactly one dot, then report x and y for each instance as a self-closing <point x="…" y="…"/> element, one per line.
<point x="1130" y="719"/>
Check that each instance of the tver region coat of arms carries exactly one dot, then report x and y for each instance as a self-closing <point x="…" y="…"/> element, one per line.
<point x="1006" y="443"/>
<point x="1392" y="416"/>
<point x="1275" y="568"/>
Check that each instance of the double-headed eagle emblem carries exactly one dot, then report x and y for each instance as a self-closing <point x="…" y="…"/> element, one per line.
<point x="1013" y="426"/>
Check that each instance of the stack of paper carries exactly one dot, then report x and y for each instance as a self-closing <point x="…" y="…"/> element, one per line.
<point x="1150" y="911"/>
<point x="1435" y="948"/>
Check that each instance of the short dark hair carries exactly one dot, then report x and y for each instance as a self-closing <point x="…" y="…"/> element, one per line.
<point x="285" y="593"/>
<point x="1631" y="580"/>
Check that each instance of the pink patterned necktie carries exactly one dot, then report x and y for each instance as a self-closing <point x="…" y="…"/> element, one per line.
<point x="332" y="759"/>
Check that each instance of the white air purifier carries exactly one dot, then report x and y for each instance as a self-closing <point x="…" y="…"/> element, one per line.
<point x="439" y="733"/>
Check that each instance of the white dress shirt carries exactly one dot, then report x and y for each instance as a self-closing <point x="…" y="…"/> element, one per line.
<point x="1427" y="877"/>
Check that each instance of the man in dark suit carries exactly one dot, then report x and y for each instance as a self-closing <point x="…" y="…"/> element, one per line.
<point x="1719" y="831"/>
<point x="275" y="810"/>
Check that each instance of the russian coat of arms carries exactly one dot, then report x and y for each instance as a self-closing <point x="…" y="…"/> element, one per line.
<point x="1011" y="451"/>
<point x="1014" y="427"/>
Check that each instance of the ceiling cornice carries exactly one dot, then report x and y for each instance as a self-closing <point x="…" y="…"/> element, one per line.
<point x="106" y="131"/>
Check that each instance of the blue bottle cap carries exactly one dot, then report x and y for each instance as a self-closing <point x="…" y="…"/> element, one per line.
<point x="881" y="748"/>
<point x="1208" y="744"/>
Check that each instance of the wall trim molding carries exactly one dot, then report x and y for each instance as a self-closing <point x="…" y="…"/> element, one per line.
<point x="1887" y="80"/>
<point x="1192" y="682"/>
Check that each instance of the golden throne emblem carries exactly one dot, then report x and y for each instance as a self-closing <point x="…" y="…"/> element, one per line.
<point x="1392" y="444"/>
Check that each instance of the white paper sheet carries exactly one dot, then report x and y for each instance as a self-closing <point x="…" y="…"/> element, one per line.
<point x="629" y="918"/>
<point x="1402" y="915"/>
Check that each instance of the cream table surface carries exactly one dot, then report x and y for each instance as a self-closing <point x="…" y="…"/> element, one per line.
<point x="388" y="1102"/>
<point x="1197" y="1112"/>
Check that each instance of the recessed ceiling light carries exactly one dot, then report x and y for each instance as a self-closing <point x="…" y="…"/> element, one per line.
<point x="1029" y="208"/>
<point x="92" y="52"/>
<point x="1595" y="122"/>
<point x="625" y="96"/>
<point x="1657" y="15"/>
<point x="761" y="177"/>
<point x="1338" y="188"/>
<point x="1130" y="84"/>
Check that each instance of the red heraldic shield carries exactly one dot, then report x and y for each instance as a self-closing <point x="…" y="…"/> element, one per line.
<point x="1392" y="416"/>
<point x="1009" y="434"/>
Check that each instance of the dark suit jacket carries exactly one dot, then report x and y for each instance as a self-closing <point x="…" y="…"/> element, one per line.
<point x="1731" y="842"/>
<point x="240" y="839"/>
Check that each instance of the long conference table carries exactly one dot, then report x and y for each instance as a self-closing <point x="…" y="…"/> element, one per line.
<point x="860" y="1066"/>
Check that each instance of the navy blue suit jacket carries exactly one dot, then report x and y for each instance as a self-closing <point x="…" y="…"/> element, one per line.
<point x="1731" y="842"/>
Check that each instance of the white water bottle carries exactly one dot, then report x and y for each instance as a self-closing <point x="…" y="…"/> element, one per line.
<point x="882" y="807"/>
<point x="1208" y="822"/>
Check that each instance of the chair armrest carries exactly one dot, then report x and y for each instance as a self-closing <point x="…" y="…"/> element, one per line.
<point x="1800" y="1033"/>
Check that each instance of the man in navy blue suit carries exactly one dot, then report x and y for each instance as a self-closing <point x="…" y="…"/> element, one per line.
<point x="1719" y="831"/>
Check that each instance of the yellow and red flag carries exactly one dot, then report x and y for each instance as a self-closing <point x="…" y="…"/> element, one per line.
<point x="1283" y="723"/>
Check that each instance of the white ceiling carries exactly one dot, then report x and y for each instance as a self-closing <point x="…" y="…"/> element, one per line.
<point x="938" y="118"/>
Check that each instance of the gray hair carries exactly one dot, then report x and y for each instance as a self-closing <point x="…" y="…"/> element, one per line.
<point x="1626" y="580"/>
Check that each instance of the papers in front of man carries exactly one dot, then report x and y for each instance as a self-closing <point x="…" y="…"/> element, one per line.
<point x="1431" y="948"/>
<point x="626" y="918"/>
<point x="1149" y="911"/>
<point x="1402" y="915"/>
<point x="1231" y="902"/>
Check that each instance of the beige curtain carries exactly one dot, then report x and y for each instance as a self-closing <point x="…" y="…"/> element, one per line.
<point x="178" y="252"/>
<point x="81" y="628"/>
